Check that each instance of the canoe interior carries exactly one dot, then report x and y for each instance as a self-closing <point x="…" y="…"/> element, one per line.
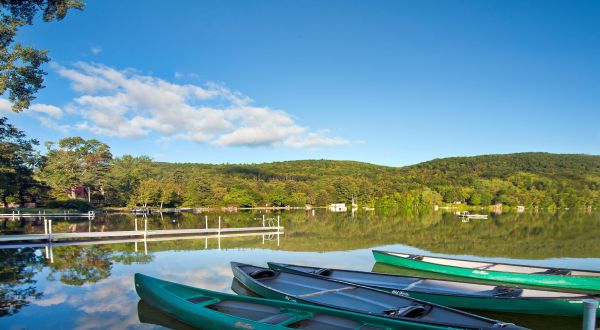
<point x="433" y="286"/>
<point x="351" y="297"/>
<point x="500" y="267"/>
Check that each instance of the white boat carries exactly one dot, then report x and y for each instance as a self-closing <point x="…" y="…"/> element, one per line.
<point x="467" y="215"/>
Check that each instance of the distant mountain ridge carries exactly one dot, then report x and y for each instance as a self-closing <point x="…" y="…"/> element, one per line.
<point x="530" y="179"/>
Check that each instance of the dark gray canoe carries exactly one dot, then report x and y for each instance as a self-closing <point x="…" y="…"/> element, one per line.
<point x="356" y="298"/>
<point x="498" y="298"/>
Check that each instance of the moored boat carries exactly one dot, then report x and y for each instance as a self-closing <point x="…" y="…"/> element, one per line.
<point x="456" y="294"/>
<point x="208" y="310"/>
<point x="502" y="272"/>
<point x="351" y="297"/>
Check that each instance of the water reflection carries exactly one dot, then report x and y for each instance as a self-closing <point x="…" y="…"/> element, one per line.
<point x="81" y="285"/>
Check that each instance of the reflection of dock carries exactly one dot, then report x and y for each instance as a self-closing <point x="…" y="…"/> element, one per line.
<point x="144" y="234"/>
<point x="267" y="235"/>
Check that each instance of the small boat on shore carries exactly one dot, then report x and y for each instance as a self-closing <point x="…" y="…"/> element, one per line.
<point x="351" y="297"/>
<point x="466" y="215"/>
<point x="210" y="310"/>
<point x="513" y="273"/>
<point x="456" y="294"/>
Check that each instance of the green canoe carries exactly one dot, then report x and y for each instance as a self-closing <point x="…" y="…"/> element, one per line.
<point x="209" y="310"/>
<point x="456" y="294"/>
<point x="513" y="273"/>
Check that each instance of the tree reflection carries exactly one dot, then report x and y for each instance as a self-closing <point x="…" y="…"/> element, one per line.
<point x="17" y="286"/>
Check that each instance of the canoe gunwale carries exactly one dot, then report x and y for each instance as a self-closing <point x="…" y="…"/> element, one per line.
<point x="457" y="294"/>
<point x="394" y="254"/>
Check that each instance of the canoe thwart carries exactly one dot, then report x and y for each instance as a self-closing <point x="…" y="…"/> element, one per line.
<point x="506" y="291"/>
<point x="322" y="271"/>
<point x="556" y="271"/>
<point x="263" y="273"/>
<point x="414" y="311"/>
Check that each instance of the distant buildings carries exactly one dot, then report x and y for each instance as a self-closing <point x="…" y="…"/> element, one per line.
<point x="338" y="207"/>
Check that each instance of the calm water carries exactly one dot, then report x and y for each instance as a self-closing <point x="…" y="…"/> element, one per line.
<point x="91" y="286"/>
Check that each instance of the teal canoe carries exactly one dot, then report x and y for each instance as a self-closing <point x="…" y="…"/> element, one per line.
<point x="210" y="310"/>
<point x="513" y="273"/>
<point x="351" y="297"/>
<point x="456" y="294"/>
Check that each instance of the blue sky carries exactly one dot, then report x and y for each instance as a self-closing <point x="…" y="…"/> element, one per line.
<point x="386" y="82"/>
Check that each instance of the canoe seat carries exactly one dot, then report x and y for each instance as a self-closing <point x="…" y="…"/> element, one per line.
<point x="556" y="271"/>
<point x="413" y="311"/>
<point x="262" y="273"/>
<point x="322" y="272"/>
<point x="415" y="257"/>
<point x="506" y="291"/>
<point x="277" y="318"/>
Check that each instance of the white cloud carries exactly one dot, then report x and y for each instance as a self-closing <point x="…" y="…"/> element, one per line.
<point x="125" y="103"/>
<point x="50" y="110"/>
<point x="5" y="105"/>
<point x="51" y="300"/>
<point x="95" y="50"/>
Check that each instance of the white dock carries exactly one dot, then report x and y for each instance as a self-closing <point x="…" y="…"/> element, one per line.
<point x="18" y="215"/>
<point x="145" y="233"/>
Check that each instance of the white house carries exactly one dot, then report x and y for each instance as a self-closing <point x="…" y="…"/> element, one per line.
<point x="338" y="207"/>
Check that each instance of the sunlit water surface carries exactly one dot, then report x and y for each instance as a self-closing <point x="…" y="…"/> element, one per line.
<point x="91" y="286"/>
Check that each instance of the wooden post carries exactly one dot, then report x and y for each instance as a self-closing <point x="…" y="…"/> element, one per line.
<point x="45" y="226"/>
<point x="590" y="306"/>
<point x="135" y="224"/>
<point x="219" y="226"/>
<point x="206" y="221"/>
<point x="50" y="230"/>
<point x="263" y="221"/>
<point x="277" y="223"/>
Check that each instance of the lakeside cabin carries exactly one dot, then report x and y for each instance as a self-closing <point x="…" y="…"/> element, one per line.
<point x="338" y="207"/>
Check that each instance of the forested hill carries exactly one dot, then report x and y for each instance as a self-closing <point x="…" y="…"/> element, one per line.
<point x="530" y="179"/>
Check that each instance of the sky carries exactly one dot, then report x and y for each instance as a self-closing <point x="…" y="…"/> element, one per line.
<point x="384" y="82"/>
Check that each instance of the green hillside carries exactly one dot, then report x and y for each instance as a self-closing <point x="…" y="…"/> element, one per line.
<point x="529" y="179"/>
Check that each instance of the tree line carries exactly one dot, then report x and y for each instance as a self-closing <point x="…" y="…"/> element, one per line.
<point x="76" y="168"/>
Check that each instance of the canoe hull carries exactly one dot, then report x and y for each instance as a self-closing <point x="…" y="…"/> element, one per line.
<point x="555" y="281"/>
<point x="171" y="305"/>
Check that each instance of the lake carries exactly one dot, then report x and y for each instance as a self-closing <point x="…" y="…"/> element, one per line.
<point x="90" y="286"/>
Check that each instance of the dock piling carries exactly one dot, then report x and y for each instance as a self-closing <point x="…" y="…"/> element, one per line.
<point x="50" y="230"/>
<point x="590" y="306"/>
